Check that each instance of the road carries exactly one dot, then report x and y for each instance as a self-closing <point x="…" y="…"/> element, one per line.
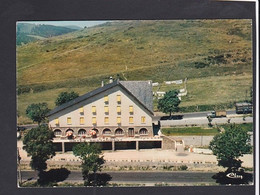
<point x="203" y="114"/>
<point x="194" y="115"/>
<point x="142" y="177"/>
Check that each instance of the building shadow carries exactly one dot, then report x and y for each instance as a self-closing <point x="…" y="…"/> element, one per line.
<point x="53" y="176"/>
<point x="230" y="177"/>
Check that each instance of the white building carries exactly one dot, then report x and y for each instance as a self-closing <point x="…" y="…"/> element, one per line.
<point x="121" y="110"/>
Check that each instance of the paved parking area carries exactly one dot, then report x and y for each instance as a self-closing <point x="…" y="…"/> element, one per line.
<point x="152" y="155"/>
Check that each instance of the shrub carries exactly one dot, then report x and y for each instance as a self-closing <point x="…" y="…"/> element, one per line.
<point x="183" y="167"/>
<point x="200" y="65"/>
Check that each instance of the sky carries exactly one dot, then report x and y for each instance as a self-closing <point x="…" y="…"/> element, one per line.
<point x="81" y="24"/>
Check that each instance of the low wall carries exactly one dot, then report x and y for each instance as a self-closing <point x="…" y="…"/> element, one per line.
<point x="194" y="140"/>
<point x="168" y="143"/>
<point x="138" y="164"/>
<point x="199" y="140"/>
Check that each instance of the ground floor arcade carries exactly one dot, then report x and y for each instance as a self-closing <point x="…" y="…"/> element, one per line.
<point x="111" y="144"/>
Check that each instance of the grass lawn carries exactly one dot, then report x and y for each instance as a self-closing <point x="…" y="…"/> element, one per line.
<point x="199" y="131"/>
<point x="246" y="126"/>
<point x="189" y="131"/>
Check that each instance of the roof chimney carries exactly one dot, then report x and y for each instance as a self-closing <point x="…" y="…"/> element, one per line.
<point x="110" y="79"/>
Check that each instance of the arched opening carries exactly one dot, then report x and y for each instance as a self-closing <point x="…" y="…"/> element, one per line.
<point x="96" y="130"/>
<point x="82" y="132"/>
<point x="69" y="133"/>
<point x="93" y="132"/>
<point x="119" y="132"/>
<point x="106" y="132"/>
<point x="57" y="132"/>
<point x="69" y="130"/>
<point x="143" y="131"/>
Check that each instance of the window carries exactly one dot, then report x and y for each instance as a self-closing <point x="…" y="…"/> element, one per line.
<point x="118" y="98"/>
<point x="82" y="132"/>
<point x="106" y="120"/>
<point x="131" y="119"/>
<point x="56" y="121"/>
<point x="94" y="120"/>
<point x="106" y="110"/>
<point x="118" y="120"/>
<point x="143" y="131"/>
<point x="69" y="120"/>
<point x="118" y="109"/>
<point x="143" y="119"/>
<point x="81" y="110"/>
<point x="106" y="98"/>
<point x="119" y="132"/>
<point x="82" y="120"/>
<point x="57" y="132"/>
<point x="131" y="109"/>
<point x="94" y="110"/>
<point x="106" y="132"/>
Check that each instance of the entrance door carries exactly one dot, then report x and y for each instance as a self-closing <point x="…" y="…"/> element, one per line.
<point x="131" y="132"/>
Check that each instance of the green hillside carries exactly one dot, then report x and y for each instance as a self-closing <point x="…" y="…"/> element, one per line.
<point x="31" y="32"/>
<point x="204" y="51"/>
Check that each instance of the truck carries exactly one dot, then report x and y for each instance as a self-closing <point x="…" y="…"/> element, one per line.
<point x="244" y="108"/>
<point x="217" y="113"/>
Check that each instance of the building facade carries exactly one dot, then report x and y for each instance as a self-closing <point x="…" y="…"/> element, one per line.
<point x="121" y="109"/>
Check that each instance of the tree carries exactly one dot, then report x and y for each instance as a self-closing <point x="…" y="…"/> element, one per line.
<point x="37" y="112"/>
<point x="229" y="146"/>
<point x="170" y="102"/>
<point x="38" y="144"/>
<point x="91" y="161"/>
<point x="210" y="120"/>
<point x="64" y="97"/>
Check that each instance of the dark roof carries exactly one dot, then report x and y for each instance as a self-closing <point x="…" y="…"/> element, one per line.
<point x="140" y="90"/>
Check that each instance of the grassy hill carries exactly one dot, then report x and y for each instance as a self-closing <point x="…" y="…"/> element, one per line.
<point x="31" y="32"/>
<point x="215" y="56"/>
